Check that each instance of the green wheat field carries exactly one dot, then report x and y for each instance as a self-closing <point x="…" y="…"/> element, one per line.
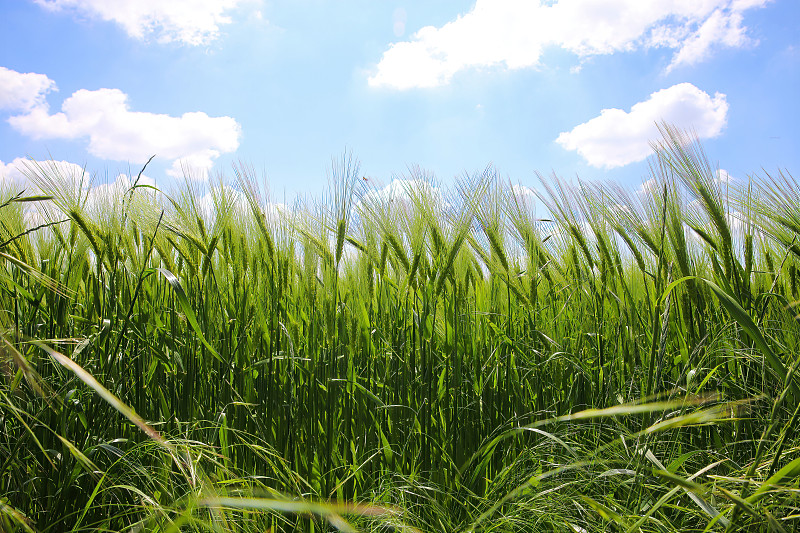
<point x="440" y="360"/>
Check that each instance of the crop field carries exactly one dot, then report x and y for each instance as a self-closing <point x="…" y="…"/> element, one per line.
<point x="472" y="359"/>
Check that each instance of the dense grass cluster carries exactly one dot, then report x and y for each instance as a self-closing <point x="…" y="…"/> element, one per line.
<point x="427" y="360"/>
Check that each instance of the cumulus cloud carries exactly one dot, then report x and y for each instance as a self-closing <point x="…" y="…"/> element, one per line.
<point x="523" y="191"/>
<point x="20" y="174"/>
<point x="192" y="22"/>
<point x="73" y="184"/>
<point x="23" y="91"/>
<point x="722" y="177"/>
<point x="192" y="140"/>
<point x="617" y="138"/>
<point x="720" y="27"/>
<point x="11" y="176"/>
<point x="23" y="176"/>
<point x="514" y="33"/>
<point x="107" y="193"/>
<point x="400" y="193"/>
<point x="524" y="197"/>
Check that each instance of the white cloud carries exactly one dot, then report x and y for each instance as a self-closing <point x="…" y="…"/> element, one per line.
<point x="523" y="191"/>
<point x="19" y="173"/>
<point x="652" y="186"/>
<point x="400" y="193"/>
<point x="617" y="138"/>
<point x="720" y="27"/>
<point x="23" y="176"/>
<point x="524" y="195"/>
<point x="106" y="202"/>
<point x="192" y="22"/>
<point x="109" y="193"/>
<point x="235" y="202"/>
<point x="115" y="132"/>
<point x="514" y="33"/>
<point x="647" y="186"/>
<point x="722" y="177"/>
<point x="72" y="184"/>
<point x="11" y="176"/>
<point x="23" y="92"/>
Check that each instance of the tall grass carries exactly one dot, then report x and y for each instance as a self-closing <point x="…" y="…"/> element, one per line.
<point x="432" y="359"/>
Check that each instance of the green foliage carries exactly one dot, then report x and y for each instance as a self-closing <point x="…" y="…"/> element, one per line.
<point x="426" y="361"/>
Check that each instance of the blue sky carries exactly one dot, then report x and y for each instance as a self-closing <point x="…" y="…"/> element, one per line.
<point x="568" y="86"/>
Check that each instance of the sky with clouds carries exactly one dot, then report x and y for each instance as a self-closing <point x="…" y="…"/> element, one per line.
<point x="574" y="87"/>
